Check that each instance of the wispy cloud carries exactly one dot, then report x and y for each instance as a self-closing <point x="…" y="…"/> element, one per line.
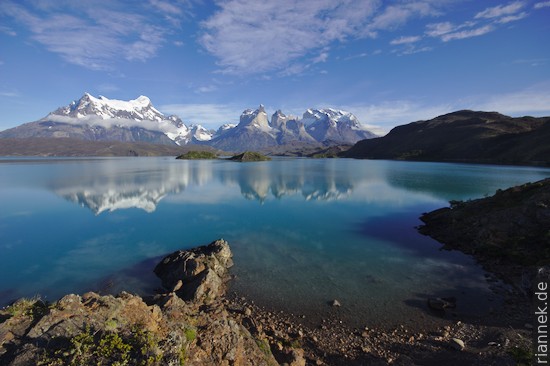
<point x="483" y="22"/>
<point x="447" y="31"/>
<point x="543" y="4"/>
<point x="8" y="31"/>
<point x="405" y="40"/>
<point x="512" y="18"/>
<point x="501" y="10"/>
<point x="394" y="16"/>
<point x="286" y="31"/>
<point x="534" y="100"/>
<point x="206" y="89"/>
<point x="9" y="94"/>
<point x="91" y="36"/>
<point x="290" y="35"/>
<point x="467" y="33"/>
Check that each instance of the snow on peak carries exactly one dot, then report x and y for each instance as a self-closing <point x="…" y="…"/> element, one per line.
<point x="330" y="115"/>
<point x="108" y="113"/>
<point x="200" y="133"/>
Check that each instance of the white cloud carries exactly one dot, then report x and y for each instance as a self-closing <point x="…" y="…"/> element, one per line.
<point x="440" y="29"/>
<point x="512" y="18"/>
<point x="91" y="36"/>
<point x="544" y="4"/>
<point x="467" y="33"/>
<point x="9" y="94"/>
<point x="534" y="100"/>
<point x="448" y="31"/>
<point x="500" y="10"/>
<point x="396" y="15"/>
<point x="166" y="7"/>
<point x="288" y="30"/>
<point x="206" y="89"/>
<point x="8" y="31"/>
<point x="405" y="40"/>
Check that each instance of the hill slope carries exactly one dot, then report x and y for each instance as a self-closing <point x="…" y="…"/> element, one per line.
<point x="464" y="136"/>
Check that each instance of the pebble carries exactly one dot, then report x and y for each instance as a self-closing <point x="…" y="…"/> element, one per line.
<point x="457" y="344"/>
<point x="336" y="303"/>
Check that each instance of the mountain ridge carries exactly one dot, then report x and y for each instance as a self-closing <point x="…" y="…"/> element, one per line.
<point x="103" y="119"/>
<point x="464" y="136"/>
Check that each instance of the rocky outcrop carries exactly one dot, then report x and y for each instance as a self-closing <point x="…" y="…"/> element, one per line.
<point x="249" y="156"/>
<point x="507" y="232"/>
<point x="197" y="274"/>
<point x="126" y="329"/>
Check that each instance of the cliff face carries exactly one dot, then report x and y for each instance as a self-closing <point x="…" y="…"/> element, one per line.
<point x="126" y="329"/>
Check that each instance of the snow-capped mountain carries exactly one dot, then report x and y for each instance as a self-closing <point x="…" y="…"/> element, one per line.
<point x="92" y="118"/>
<point x="255" y="131"/>
<point x="88" y="106"/>
<point x="103" y="119"/>
<point x="334" y="125"/>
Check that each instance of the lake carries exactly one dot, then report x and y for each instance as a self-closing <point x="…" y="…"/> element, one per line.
<point x="303" y="231"/>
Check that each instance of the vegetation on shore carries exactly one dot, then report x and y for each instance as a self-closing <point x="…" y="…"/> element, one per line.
<point x="249" y="156"/>
<point x="197" y="155"/>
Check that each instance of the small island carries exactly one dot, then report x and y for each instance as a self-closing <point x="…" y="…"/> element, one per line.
<point x="197" y="155"/>
<point x="249" y="156"/>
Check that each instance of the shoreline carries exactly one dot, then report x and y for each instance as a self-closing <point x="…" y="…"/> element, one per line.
<point x="334" y="341"/>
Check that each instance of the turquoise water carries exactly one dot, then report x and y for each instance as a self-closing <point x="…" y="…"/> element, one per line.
<point x="303" y="232"/>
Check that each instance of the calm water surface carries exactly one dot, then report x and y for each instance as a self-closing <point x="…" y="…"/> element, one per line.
<point x="303" y="232"/>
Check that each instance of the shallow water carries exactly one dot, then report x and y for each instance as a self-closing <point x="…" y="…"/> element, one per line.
<point x="303" y="232"/>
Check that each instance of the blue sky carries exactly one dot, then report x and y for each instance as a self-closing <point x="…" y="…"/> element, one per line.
<point x="388" y="62"/>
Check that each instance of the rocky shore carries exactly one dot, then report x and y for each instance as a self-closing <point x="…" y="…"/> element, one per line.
<point x="196" y="322"/>
<point x="508" y="233"/>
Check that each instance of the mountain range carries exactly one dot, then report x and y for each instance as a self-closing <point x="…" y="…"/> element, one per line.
<point x="102" y="119"/>
<point x="464" y="136"/>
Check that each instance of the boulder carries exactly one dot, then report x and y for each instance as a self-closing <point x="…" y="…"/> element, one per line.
<point x="197" y="274"/>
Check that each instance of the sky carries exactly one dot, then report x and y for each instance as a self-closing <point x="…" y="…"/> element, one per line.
<point x="387" y="62"/>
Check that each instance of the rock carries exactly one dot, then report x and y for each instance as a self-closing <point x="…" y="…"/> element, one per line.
<point x="457" y="344"/>
<point x="249" y="156"/>
<point x="177" y="286"/>
<point x="202" y="271"/>
<point x="336" y="303"/>
<point x="297" y="357"/>
<point x="165" y="331"/>
<point x="441" y="303"/>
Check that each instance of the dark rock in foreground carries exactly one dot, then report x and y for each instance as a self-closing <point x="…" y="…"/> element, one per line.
<point x="249" y="156"/>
